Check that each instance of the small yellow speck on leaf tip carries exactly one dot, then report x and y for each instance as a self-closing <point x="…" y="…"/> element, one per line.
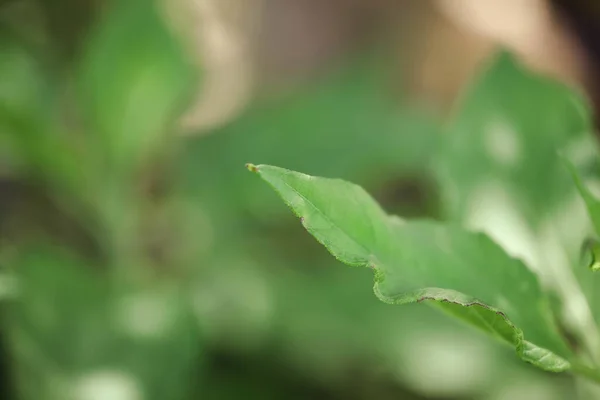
<point x="251" y="167"/>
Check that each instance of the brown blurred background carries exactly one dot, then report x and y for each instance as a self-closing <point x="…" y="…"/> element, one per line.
<point x="259" y="46"/>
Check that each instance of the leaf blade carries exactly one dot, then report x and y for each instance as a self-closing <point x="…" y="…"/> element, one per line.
<point x="591" y="202"/>
<point x="132" y="91"/>
<point x="409" y="267"/>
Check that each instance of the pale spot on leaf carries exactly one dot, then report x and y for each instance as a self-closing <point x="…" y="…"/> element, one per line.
<point x="502" y="143"/>
<point x="456" y="364"/>
<point x="107" y="385"/>
<point x="594" y="186"/>
<point x="146" y="315"/>
<point x="492" y="211"/>
<point x="581" y="150"/>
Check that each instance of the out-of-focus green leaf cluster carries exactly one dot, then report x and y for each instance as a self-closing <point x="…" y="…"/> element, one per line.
<point x="97" y="308"/>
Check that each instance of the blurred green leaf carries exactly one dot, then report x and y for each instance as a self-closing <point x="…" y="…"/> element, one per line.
<point x="590" y="249"/>
<point x="418" y="261"/>
<point x="72" y="331"/>
<point x="506" y="133"/>
<point x="134" y="79"/>
<point x="591" y="202"/>
<point x="591" y="254"/>
<point x="20" y="95"/>
<point x="29" y="138"/>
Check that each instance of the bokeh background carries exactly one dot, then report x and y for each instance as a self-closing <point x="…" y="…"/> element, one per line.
<point x="139" y="258"/>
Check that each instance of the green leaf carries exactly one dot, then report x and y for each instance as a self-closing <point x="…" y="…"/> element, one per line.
<point x="22" y="94"/>
<point x="499" y="169"/>
<point x="423" y="260"/>
<point x="133" y="81"/>
<point x="506" y="132"/>
<point x="591" y="254"/>
<point x="72" y="323"/>
<point x="591" y="202"/>
<point x="29" y="137"/>
<point x="20" y="101"/>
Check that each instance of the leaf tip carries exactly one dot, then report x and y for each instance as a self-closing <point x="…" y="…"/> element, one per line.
<point x="251" y="167"/>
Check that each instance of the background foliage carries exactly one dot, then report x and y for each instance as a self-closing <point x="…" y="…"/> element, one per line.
<point x="142" y="263"/>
